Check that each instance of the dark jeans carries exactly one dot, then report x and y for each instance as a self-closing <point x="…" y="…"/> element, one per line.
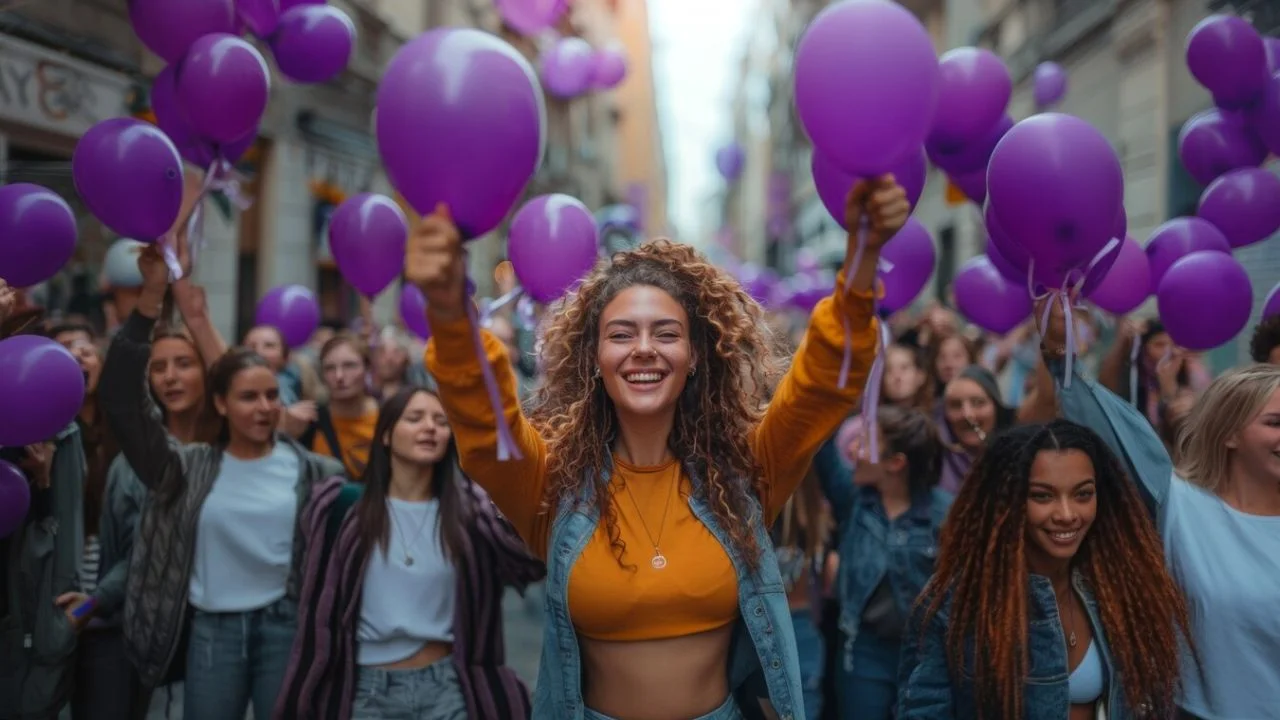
<point x="106" y="685"/>
<point x="868" y="679"/>
<point x="809" y="645"/>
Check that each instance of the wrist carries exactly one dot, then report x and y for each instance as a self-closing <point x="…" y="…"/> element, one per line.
<point x="150" y="301"/>
<point x="1052" y="351"/>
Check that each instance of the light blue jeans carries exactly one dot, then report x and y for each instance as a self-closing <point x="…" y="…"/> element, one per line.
<point x="235" y="659"/>
<point x="728" y="711"/>
<point x="429" y="693"/>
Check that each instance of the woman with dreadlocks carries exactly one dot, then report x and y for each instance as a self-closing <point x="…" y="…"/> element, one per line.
<point x="651" y="470"/>
<point x="1050" y="597"/>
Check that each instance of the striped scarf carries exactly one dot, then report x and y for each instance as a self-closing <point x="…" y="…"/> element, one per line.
<point x="321" y="680"/>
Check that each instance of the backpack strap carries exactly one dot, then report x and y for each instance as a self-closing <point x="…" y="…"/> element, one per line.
<point x="324" y="425"/>
<point x="347" y="497"/>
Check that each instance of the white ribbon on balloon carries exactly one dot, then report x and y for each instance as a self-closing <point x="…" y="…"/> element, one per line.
<point x="1071" y="286"/>
<point x="222" y="177"/>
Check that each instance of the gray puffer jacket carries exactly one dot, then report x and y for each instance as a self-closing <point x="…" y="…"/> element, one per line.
<point x="178" y="479"/>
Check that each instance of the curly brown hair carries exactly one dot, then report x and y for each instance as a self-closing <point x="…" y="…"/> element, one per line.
<point x="982" y="572"/>
<point x="722" y="403"/>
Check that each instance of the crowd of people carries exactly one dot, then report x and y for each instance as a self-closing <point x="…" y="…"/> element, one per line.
<point x="726" y="530"/>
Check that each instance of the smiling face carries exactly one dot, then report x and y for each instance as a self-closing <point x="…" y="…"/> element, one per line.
<point x="421" y="435"/>
<point x="251" y="405"/>
<point x="1256" y="447"/>
<point x="1062" y="502"/>
<point x="176" y="376"/>
<point x="81" y="347"/>
<point x="644" y="354"/>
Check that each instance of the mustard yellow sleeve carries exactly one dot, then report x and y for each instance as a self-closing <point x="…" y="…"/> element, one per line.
<point x="516" y="486"/>
<point x="808" y="405"/>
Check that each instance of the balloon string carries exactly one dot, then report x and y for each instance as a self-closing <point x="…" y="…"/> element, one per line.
<point x="871" y="396"/>
<point x="844" y="322"/>
<point x="1135" y="346"/>
<point x="503" y="301"/>
<point x="168" y="242"/>
<point x="1062" y="295"/>
<point x="507" y="449"/>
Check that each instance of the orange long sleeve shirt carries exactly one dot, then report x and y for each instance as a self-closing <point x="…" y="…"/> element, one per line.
<point x="697" y="590"/>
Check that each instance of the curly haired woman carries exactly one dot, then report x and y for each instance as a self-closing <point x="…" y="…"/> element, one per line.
<point x="652" y="469"/>
<point x="1049" y="564"/>
<point x="1218" y="513"/>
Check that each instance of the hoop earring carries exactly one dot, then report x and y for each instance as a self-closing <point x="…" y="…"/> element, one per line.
<point x="596" y="374"/>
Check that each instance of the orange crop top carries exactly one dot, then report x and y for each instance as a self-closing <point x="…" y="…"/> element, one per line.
<point x="698" y="589"/>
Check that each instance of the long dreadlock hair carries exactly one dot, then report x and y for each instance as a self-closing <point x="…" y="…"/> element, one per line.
<point x="982" y="571"/>
<point x="721" y="405"/>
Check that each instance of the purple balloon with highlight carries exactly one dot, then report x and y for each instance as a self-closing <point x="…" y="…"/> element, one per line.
<point x="973" y="91"/>
<point x="413" y="311"/>
<point x="912" y="257"/>
<point x="552" y="244"/>
<point x="15" y="498"/>
<point x="291" y="309"/>
<point x="1226" y="55"/>
<point x="988" y="299"/>
<point x="170" y="119"/>
<point x="42" y="386"/>
<point x="169" y="29"/>
<point x="866" y="84"/>
<point x="834" y="184"/>
<point x="1056" y="186"/>
<point x="367" y="237"/>
<point x="223" y="88"/>
<point x="1049" y="85"/>
<point x="610" y="68"/>
<point x="1244" y="204"/>
<point x="970" y="157"/>
<point x="530" y="17"/>
<point x="129" y="175"/>
<point x="568" y="68"/>
<point x="1212" y="143"/>
<point x="37" y="234"/>
<point x="314" y="43"/>
<point x="1127" y="284"/>
<point x="461" y="121"/>
<point x="1205" y="299"/>
<point x="1178" y="238"/>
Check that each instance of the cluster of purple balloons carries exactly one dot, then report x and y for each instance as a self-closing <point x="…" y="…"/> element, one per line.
<point x="572" y="68"/>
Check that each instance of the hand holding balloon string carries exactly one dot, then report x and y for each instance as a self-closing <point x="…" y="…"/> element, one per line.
<point x="436" y="262"/>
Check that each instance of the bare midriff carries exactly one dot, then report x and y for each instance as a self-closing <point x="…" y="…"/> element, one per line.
<point x="681" y="677"/>
<point x="430" y="653"/>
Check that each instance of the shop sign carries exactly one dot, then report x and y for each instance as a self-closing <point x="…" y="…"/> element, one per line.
<point x="49" y="91"/>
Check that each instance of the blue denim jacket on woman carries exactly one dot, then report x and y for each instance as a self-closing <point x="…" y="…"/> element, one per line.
<point x="931" y="691"/>
<point x="872" y="547"/>
<point x="764" y="643"/>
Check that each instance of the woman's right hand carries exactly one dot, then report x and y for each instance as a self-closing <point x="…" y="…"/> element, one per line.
<point x="434" y="262"/>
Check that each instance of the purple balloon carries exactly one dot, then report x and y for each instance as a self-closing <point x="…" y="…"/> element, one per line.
<point x="1212" y="143"/>
<point x="1264" y="118"/>
<point x="367" y="235"/>
<point x="1012" y="256"/>
<point x="314" y="43"/>
<point x="1056" y="186"/>
<point x="530" y="17"/>
<point x="808" y="289"/>
<point x="169" y="29"/>
<point x="1226" y="55"/>
<point x="461" y="121"/>
<point x="972" y="184"/>
<point x="730" y="160"/>
<point x="1128" y="283"/>
<point x="413" y="311"/>
<point x="610" y="68"/>
<point x="37" y="234"/>
<point x="1272" y="47"/>
<point x="15" y="498"/>
<point x="1180" y="237"/>
<point x="170" y="119"/>
<point x="285" y="5"/>
<point x="129" y="175"/>
<point x="971" y="157"/>
<point x="1049" y="85"/>
<point x="834" y="184"/>
<point x="552" y="244"/>
<point x="1204" y="299"/>
<point x="1271" y="306"/>
<point x="807" y="261"/>
<point x="866" y="84"/>
<point x="912" y="255"/>
<point x="1007" y="268"/>
<point x="1099" y="267"/>
<point x="1244" y="204"/>
<point x="260" y="16"/>
<point x="291" y="309"/>
<point x="975" y="88"/>
<point x="988" y="299"/>
<point x="568" y="68"/>
<point x="42" y="386"/>
<point x="223" y="88"/>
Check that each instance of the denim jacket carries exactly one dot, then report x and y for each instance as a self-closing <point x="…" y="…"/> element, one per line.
<point x="764" y="644"/>
<point x="872" y="547"/>
<point x="929" y="690"/>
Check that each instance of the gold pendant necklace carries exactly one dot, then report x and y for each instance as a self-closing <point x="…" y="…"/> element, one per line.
<point x="658" y="561"/>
